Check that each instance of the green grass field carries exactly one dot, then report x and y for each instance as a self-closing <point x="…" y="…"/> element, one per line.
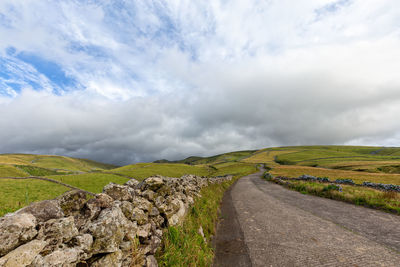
<point x="15" y="194"/>
<point x="95" y="181"/>
<point x="221" y="158"/>
<point x="374" y="164"/>
<point x="142" y="170"/>
<point x="53" y="162"/>
<point x="335" y="156"/>
<point x="182" y="245"/>
<point x="361" y="164"/>
<point x="92" y="182"/>
<point x="11" y="171"/>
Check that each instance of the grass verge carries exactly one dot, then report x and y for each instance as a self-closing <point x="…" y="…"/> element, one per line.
<point x="356" y="176"/>
<point x="368" y="197"/>
<point x="183" y="245"/>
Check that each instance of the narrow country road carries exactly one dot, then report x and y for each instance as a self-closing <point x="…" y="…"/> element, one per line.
<point x="264" y="224"/>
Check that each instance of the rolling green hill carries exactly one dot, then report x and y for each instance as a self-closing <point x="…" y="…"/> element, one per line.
<point x="57" y="163"/>
<point x="376" y="164"/>
<point x="226" y="157"/>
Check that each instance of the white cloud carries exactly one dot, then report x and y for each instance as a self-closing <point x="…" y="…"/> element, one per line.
<point x="168" y="79"/>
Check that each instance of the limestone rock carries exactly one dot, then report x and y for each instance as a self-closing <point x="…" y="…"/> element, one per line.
<point x="151" y="261"/>
<point x="142" y="203"/>
<point x="16" y="229"/>
<point x="127" y="209"/>
<point x="83" y="242"/>
<point x="201" y="232"/>
<point x="109" y="229"/>
<point x="140" y="216"/>
<point x="56" y="232"/>
<point x="72" y="201"/>
<point x="103" y="200"/>
<point x="111" y="259"/>
<point x="148" y="194"/>
<point x="67" y="257"/>
<point x="155" y="243"/>
<point x="144" y="230"/>
<point x="153" y="183"/>
<point x="23" y="255"/>
<point x="158" y="221"/>
<point x="154" y="212"/>
<point x="178" y="212"/>
<point x="159" y="202"/>
<point x="93" y="207"/>
<point x="132" y="183"/>
<point x="119" y="192"/>
<point x="44" y="210"/>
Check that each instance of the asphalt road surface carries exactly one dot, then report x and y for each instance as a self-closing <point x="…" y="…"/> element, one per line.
<point x="264" y="224"/>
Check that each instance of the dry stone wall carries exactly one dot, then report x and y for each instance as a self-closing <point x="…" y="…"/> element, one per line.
<point x="123" y="226"/>
<point x="305" y="177"/>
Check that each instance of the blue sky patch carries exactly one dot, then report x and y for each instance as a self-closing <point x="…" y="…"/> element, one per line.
<point x="15" y="86"/>
<point x="51" y="70"/>
<point x="331" y="8"/>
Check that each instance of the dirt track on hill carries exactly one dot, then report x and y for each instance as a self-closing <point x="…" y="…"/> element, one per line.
<point x="264" y="224"/>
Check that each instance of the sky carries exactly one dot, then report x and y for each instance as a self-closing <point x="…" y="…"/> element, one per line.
<point x="135" y="81"/>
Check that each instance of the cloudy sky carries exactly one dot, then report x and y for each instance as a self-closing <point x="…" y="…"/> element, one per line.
<point x="128" y="81"/>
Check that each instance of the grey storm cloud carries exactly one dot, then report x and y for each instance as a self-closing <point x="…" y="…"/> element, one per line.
<point x="246" y="78"/>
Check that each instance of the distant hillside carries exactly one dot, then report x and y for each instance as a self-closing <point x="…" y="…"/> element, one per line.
<point x="221" y="158"/>
<point x="359" y="158"/>
<point x="375" y="164"/>
<point x="21" y="165"/>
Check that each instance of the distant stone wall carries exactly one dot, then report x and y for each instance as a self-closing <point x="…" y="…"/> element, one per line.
<point x="305" y="177"/>
<point x="123" y="226"/>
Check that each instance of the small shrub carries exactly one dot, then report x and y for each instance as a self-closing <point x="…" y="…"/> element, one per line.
<point x="301" y="187"/>
<point x="267" y="175"/>
<point x="332" y="187"/>
<point x="284" y="161"/>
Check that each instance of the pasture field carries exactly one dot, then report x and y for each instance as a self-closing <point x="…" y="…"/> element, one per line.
<point x="15" y="194"/>
<point x="26" y="191"/>
<point x="360" y="164"/>
<point x="143" y="170"/>
<point x="267" y="156"/>
<point x="11" y="171"/>
<point x="221" y="158"/>
<point x="37" y="171"/>
<point x="92" y="182"/>
<point x="335" y="156"/>
<point x="373" y="164"/>
<point x="53" y="162"/>
<point x="293" y="171"/>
